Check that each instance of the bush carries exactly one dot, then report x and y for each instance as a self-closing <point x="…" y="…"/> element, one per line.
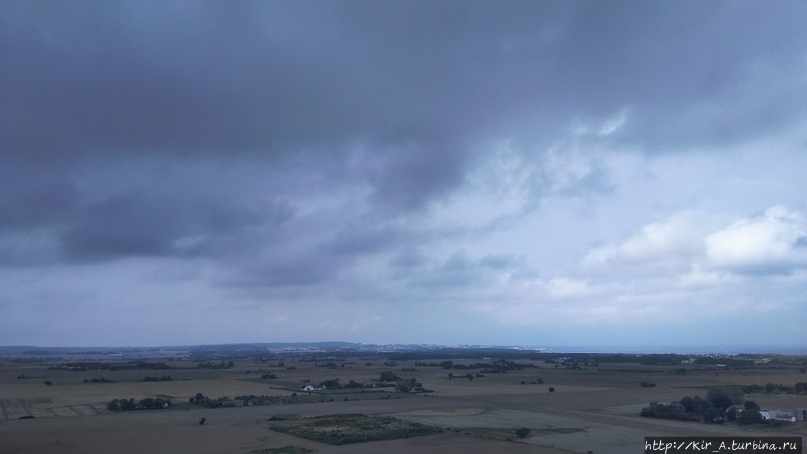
<point x="551" y="389"/>
<point x="522" y="432"/>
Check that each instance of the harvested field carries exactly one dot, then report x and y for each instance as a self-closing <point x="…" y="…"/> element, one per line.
<point x="591" y="409"/>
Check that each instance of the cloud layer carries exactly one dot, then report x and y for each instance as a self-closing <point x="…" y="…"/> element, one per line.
<point x="460" y="172"/>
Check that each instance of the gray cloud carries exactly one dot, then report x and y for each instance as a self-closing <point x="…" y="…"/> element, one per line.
<point x="286" y="147"/>
<point x="188" y="77"/>
<point x="49" y="202"/>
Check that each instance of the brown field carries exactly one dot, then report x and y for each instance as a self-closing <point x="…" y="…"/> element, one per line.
<point x="591" y="410"/>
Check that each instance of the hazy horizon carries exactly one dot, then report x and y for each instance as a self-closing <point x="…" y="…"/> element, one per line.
<point x="593" y="349"/>
<point x="519" y="173"/>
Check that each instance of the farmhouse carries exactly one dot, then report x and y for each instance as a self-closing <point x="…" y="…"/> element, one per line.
<point x="778" y="415"/>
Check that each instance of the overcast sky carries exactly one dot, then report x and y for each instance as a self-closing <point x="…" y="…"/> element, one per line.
<point x="454" y="172"/>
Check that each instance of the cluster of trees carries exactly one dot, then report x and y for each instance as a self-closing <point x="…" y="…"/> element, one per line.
<point x="334" y="383"/>
<point x="502" y="366"/>
<point x="402" y="385"/>
<point x="798" y="388"/>
<point x="247" y="400"/>
<point x="716" y="408"/>
<point x="331" y="384"/>
<point x="388" y="376"/>
<point x="204" y="401"/>
<point x="148" y="403"/>
<point x="263" y="373"/>
<point x="470" y="377"/>
<point x="411" y="385"/>
<point x="162" y="378"/>
<point x="97" y="380"/>
<point x="496" y="367"/>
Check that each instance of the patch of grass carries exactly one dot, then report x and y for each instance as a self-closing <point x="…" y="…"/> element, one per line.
<point x="283" y="450"/>
<point x="40" y="400"/>
<point x="352" y="428"/>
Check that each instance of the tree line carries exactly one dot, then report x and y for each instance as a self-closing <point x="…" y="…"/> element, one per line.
<point x="149" y="403"/>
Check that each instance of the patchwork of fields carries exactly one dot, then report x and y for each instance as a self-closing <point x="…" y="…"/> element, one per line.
<point x="567" y="411"/>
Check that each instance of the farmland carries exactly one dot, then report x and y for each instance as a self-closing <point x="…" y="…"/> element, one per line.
<point x="566" y="409"/>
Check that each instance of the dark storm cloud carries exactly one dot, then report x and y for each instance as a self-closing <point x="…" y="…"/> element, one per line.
<point x="144" y="224"/>
<point x="267" y="76"/>
<point x="422" y="87"/>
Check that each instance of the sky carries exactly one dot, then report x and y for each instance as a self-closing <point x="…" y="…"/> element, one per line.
<point x="455" y="172"/>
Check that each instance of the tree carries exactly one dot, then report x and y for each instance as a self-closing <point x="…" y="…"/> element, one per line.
<point x="695" y="405"/>
<point x="749" y="417"/>
<point x="719" y="399"/>
<point x="388" y="376"/>
<point x="551" y="389"/>
<point x="450" y="375"/>
<point x="731" y="414"/>
<point x="331" y="384"/>
<point x="713" y="415"/>
<point x="48" y="383"/>
<point x="523" y="432"/>
<point x="751" y="405"/>
<point x="202" y="421"/>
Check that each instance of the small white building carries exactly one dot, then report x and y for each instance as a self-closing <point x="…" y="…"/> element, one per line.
<point x="312" y="388"/>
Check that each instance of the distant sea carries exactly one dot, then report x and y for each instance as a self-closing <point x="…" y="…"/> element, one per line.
<point x="684" y="350"/>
